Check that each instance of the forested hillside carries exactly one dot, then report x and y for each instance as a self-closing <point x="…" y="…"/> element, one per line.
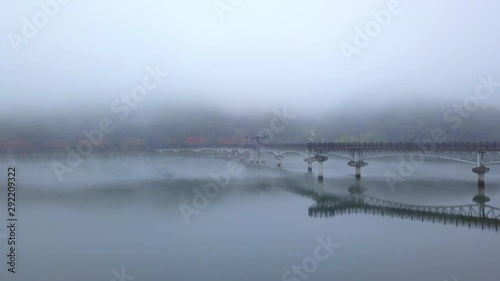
<point x="172" y="127"/>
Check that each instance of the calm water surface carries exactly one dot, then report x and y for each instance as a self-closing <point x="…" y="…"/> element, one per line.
<point x="123" y="213"/>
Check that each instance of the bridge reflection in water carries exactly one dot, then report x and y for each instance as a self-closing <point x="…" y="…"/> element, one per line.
<point x="477" y="215"/>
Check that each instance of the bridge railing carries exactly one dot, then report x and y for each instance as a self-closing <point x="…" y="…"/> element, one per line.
<point x="472" y="146"/>
<point x="465" y="146"/>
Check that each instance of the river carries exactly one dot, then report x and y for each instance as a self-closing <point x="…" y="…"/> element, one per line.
<point x="180" y="218"/>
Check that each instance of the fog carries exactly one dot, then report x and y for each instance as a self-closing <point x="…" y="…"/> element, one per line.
<point x="124" y="213"/>
<point x="105" y="105"/>
<point x="263" y="54"/>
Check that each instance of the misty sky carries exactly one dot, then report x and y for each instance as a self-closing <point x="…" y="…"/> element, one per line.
<point x="264" y="53"/>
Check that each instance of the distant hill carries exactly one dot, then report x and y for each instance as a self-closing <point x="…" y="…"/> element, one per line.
<point x="173" y="127"/>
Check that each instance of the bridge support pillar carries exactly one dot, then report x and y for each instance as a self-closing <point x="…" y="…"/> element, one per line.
<point x="357" y="165"/>
<point x="480" y="169"/>
<point x="256" y="157"/>
<point x="279" y="158"/>
<point x="321" y="159"/>
<point x="309" y="161"/>
<point x="320" y="171"/>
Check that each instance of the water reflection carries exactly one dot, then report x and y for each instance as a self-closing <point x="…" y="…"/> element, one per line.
<point x="357" y="201"/>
